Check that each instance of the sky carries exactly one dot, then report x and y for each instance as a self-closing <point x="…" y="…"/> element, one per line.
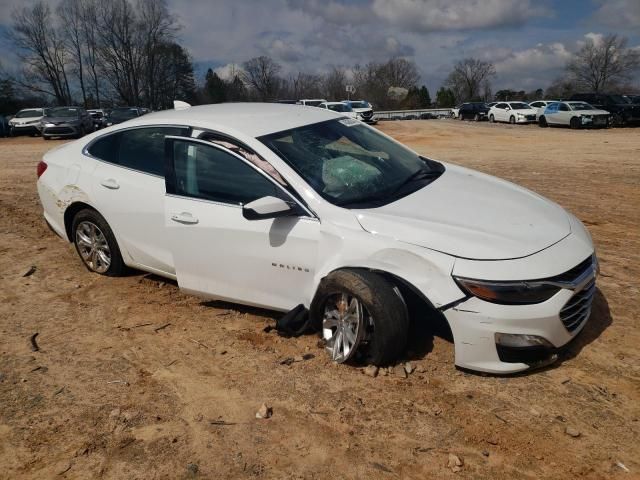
<point x="528" y="41"/>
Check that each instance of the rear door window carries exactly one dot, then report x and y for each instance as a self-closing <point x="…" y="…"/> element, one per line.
<point x="140" y="149"/>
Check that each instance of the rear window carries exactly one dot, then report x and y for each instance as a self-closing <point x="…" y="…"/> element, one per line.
<point x="140" y="149"/>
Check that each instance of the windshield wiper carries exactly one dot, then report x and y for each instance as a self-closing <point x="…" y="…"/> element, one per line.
<point x="421" y="174"/>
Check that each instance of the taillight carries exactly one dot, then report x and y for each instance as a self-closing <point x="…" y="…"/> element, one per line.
<point x="40" y="169"/>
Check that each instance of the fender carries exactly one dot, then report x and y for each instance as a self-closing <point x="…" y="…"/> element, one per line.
<point x="428" y="272"/>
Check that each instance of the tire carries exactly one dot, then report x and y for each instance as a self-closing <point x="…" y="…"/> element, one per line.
<point x="492" y="119"/>
<point x="543" y="122"/>
<point x="103" y="238"/>
<point x="81" y="132"/>
<point x="512" y="120"/>
<point x="384" y="326"/>
<point x="46" y="137"/>
<point x="574" y="123"/>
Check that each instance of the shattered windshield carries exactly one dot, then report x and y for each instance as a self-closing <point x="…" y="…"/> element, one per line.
<point x="352" y="165"/>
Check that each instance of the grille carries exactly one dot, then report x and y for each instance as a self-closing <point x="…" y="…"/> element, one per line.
<point x="577" y="309"/>
<point x="367" y="114"/>
<point x="530" y="117"/>
<point x="58" y="130"/>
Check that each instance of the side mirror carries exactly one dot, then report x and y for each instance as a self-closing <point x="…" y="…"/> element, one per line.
<point x="269" y="207"/>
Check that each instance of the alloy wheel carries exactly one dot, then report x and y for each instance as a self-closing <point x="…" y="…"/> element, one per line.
<point x="93" y="247"/>
<point x="343" y="325"/>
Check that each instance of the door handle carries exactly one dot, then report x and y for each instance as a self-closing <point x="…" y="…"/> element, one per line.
<point x="110" y="183"/>
<point x="185" y="218"/>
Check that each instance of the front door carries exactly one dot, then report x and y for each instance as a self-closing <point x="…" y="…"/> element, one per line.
<point x="220" y="254"/>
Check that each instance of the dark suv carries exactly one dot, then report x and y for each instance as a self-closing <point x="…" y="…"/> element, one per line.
<point x="619" y="107"/>
<point x="475" y="110"/>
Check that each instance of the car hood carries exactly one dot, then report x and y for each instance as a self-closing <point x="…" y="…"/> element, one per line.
<point x="526" y="111"/>
<point x="60" y="119"/>
<point x="471" y="215"/>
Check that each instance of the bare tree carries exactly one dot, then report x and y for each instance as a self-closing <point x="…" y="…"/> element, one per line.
<point x="603" y="64"/>
<point x="261" y="74"/>
<point x="400" y="72"/>
<point x="335" y="83"/>
<point x="70" y="14"/>
<point x="90" y="37"/>
<point x="374" y="81"/>
<point x="470" y="79"/>
<point x="305" y="85"/>
<point x="42" y="51"/>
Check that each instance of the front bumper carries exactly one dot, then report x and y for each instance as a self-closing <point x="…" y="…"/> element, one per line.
<point x="475" y="323"/>
<point x="526" y="119"/>
<point x="61" y="130"/>
<point x="24" y="129"/>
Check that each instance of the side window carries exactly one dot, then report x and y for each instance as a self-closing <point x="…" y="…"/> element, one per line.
<point x="563" y="107"/>
<point x="501" y="105"/>
<point x="139" y="148"/>
<point x="203" y="171"/>
<point x="143" y="148"/>
<point x="106" y="148"/>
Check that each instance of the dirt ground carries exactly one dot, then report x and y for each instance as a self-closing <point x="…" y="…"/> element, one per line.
<point x="111" y="395"/>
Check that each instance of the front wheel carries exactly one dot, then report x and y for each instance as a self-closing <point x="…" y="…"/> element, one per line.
<point x="96" y="244"/>
<point x="512" y="120"/>
<point x="362" y="316"/>
<point x="492" y="119"/>
<point x="574" y="123"/>
<point x="543" y="122"/>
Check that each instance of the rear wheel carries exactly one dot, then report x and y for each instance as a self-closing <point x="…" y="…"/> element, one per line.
<point x="362" y="315"/>
<point x="96" y="244"/>
<point x="543" y="122"/>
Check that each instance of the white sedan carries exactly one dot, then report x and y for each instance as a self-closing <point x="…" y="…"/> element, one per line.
<point x="297" y="209"/>
<point x="574" y="115"/>
<point x="540" y="105"/>
<point x="512" y="112"/>
<point x="340" y="107"/>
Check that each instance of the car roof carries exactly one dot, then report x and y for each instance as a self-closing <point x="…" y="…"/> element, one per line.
<point x="252" y="119"/>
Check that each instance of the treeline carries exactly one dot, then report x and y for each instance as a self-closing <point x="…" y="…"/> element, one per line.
<point x="392" y="84"/>
<point x="101" y="53"/>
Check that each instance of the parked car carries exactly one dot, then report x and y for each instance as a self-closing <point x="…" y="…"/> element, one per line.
<point x="122" y="114"/>
<point x="363" y="109"/>
<point x="26" y="121"/>
<point x="312" y="211"/>
<point x="313" y="102"/>
<point x="289" y="102"/>
<point x="540" y="105"/>
<point x="574" y="115"/>
<point x="65" y="122"/>
<point x="99" y="118"/>
<point x="473" y="110"/>
<point x="340" y="107"/>
<point x="491" y="104"/>
<point x="621" y="110"/>
<point x="512" y="112"/>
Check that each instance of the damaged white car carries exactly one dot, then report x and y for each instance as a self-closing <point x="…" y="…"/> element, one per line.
<point x="288" y="208"/>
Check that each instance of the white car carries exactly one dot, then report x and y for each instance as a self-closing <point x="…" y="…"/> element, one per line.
<point x="26" y="121"/>
<point x="455" y="110"/>
<point x="340" y="107"/>
<point x="281" y="207"/>
<point x="311" y="102"/>
<point x="540" y="105"/>
<point x="512" y="112"/>
<point x="363" y="109"/>
<point x="574" y="115"/>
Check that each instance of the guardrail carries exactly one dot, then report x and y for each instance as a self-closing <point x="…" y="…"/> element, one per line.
<point x="401" y="114"/>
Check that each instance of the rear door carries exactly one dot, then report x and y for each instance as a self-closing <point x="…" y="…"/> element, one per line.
<point x="129" y="191"/>
<point x="216" y="251"/>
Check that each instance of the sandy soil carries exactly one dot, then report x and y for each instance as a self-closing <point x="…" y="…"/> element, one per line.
<point x="109" y="396"/>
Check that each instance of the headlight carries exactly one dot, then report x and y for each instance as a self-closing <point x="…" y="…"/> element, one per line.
<point x="508" y="293"/>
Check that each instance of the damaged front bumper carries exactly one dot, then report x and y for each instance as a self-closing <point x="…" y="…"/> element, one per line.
<point x="505" y="339"/>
